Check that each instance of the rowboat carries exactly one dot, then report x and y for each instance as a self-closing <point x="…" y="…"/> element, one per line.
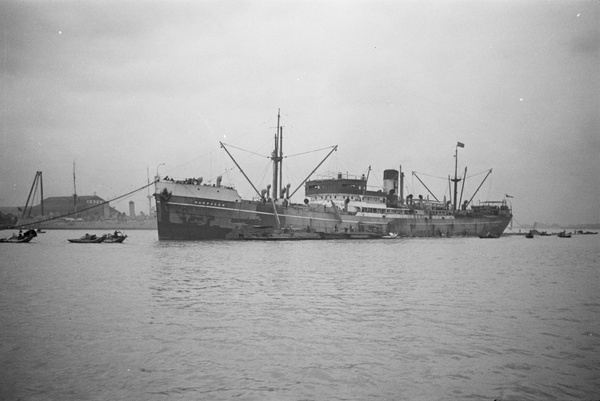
<point x="88" y="239"/>
<point x="20" y="238"/>
<point x="116" y="238"/>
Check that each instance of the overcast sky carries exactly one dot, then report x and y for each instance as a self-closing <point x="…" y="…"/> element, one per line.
<point x="120" y="87"/>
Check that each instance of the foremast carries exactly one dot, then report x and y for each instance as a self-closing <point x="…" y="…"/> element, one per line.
<point x="456" y="180"/>
<point x="277" y="157"/>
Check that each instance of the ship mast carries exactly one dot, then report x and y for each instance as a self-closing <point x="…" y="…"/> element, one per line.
<point x="281" y="162"/>
<point x="277" y="157"/>
<point x="455" y="180"/>
<point x="463" y="186"/>
<point x="400" y="186"/>
<point x="74" y="191"/>
<point x="149" y="196"/>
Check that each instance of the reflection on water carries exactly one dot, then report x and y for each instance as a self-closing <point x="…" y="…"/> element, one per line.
<point x="405" y="319"/>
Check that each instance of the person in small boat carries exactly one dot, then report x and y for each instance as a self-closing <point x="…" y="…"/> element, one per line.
<point x="20" y="234"/>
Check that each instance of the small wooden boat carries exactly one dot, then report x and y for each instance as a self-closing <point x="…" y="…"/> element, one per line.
<point x="282" y="236"/>
<point x="390" y="236"/>
<point x="88" y="239"/>
<point x="350" y="235"/>
<point x="564" y="234"/>
<point x="529" y="235"/>
<point x="488" y="235"/>
<point x="116" y="238"/>
<point x="20" y="238"/>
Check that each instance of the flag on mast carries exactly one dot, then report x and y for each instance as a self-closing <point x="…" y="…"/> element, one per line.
<point x="460" y="145"/>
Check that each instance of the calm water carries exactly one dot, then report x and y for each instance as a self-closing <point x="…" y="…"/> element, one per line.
<point x="409" y="319"/>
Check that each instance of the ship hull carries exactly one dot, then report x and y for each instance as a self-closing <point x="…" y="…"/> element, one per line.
<point x="190" y="218"/>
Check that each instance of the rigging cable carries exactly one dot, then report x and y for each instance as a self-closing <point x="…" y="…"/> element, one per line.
<point x="310" y="151"/>
<point x="244" y="150"/>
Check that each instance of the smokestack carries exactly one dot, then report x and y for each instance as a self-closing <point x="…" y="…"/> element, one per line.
<point x="390" y="181"/>
<point x="131" y="209"/>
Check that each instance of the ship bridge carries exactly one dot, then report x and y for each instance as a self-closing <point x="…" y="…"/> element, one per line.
<point x="342" y="189"/>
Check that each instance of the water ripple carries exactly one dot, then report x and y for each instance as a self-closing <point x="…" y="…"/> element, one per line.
<point x="359" y="320"/>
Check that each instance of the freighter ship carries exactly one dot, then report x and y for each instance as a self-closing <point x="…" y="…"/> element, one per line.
<point x="339" y="207"/>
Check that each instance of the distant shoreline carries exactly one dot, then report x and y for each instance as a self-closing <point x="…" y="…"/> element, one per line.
<point x="89" y="225"/>
<point x="119" y="228"/>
